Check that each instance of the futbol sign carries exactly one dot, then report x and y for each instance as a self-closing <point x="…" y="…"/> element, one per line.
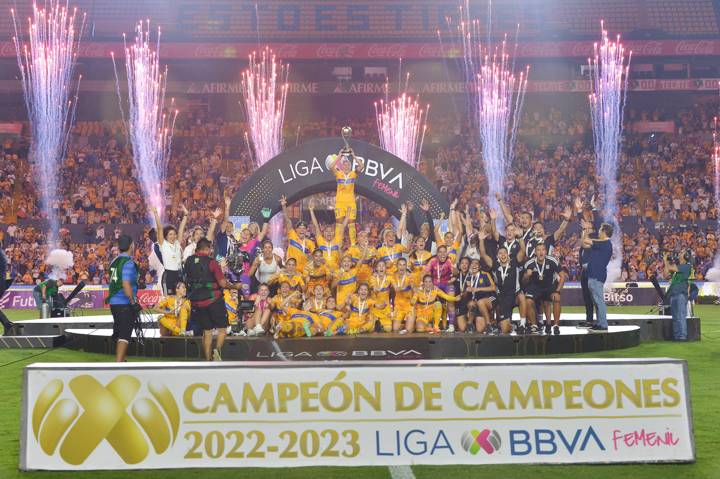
<point x="194" y="415"/>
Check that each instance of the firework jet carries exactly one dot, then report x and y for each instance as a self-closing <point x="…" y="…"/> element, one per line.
<point x="497" y="97"/>
<point x="47" y="67"/>
<point x="401" y="127"/>
<point x="264" y="90"/>
<point x="713" y="273"/>
<point x="149" y="126"/>
<point x="608" y="85"/>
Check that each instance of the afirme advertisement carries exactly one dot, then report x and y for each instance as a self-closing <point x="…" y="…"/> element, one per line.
<point x="162" y="415"/>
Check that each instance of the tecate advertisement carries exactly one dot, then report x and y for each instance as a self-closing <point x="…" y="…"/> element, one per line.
<point x="163" y="415"/>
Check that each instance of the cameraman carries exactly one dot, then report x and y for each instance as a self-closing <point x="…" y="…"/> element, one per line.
<point x="122" y="296"/>
<point x="679" y="267"/>
<point x="205" y="284"/>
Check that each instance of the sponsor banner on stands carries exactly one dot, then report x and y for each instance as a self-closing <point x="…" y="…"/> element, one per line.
<point x="653" y="126"/>
<point x="91" y="297"/>
<point x="391" y="50"/>
<point x="193" y="415"/>
<point x="12" y="129"/>
<point x="618" y="294"/>
<point x="420" y="87"/>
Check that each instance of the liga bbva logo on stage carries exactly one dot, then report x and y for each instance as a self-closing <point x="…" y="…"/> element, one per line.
<point x="71" y="420"/>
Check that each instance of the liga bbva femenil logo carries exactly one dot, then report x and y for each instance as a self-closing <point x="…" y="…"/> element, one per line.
<point x="487" y="440"/>
<point x="74" y="428"/>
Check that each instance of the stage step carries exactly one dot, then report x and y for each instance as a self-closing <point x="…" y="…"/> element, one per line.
<point x="30" y="342"/>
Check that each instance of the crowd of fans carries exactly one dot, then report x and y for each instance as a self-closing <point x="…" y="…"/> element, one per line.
<point x="666" y="184"/>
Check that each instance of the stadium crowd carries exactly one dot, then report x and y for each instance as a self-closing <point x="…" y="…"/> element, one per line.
<point x="666" y="188"/>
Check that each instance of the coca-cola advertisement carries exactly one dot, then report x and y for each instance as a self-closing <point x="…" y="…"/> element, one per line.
<point x="91" y="297"/>
<point x="392" y="50"/>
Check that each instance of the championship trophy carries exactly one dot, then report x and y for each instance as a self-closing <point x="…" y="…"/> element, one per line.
<point x="346" y="152"/>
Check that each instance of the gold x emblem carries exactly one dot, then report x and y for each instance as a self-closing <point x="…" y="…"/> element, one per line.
<point x="105" y="416"/>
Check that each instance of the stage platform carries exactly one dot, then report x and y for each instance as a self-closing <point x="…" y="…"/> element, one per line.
<point x="652" y="327"/>
<point x="371" y="346"/>
<point x="54" y="326"/>
<point x="93" y="334"/>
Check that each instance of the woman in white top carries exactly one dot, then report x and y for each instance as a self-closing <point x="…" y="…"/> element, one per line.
<point x="169" y="240"/>
<point x="266" y="264"/>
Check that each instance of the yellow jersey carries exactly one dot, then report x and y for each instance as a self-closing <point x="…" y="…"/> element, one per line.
<point x="331" y="319"/>
<point x="390" y="254"/>
<point x="316" y="275"/>
<point x="418" y="262"/>
<point x="360" y="310"/>
<point x="362" y="258"/>
<point x="230" y="307"/>
<point x="299" y="249"/>
<point x="281" y="306"/>
<point x="345" y="193"/>
<point x="346" y="285"/>
<point x="402" y="284"/>
<point x="176" y="313"/>
<point x="424" y="301"/>
<point x="295" y="280"/>
<point x="380" y="288"/>
<point x="330" y="250"/>
<point x="314" y="305"/>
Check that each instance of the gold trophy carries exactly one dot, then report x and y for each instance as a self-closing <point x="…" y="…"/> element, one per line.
<point x="346" y="132"/>
<point x="347" y="151"/>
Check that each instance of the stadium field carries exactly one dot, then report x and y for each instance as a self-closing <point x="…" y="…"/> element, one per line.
<point x="703" y="358"/>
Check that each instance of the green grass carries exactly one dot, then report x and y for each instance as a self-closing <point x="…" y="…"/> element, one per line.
<point x="703" y="359"/>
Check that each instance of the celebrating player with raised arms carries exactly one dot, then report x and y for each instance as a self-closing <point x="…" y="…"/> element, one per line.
<point x="299" y="245"/>
<point x="329" y="240"/>
<point x="362" y="256"/>
<point x="403" y="288"/>
<point x="317" y="273"/>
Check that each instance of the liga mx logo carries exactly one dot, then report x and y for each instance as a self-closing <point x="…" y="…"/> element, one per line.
<point x="487" y="440"/>
<point x="76" y="427"/>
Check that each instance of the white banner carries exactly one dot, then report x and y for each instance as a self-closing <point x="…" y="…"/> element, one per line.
<point x="170" y="415"/>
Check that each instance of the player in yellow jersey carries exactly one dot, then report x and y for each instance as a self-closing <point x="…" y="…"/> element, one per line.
<point x="346" y="169"/>
<point x="360" y="307"/>
<point x="427" y="308"/>
<point x="391" y="250"/>
<point x="317" y="273"/>
<point x="380" y="284"/>
<point x="289" y="275"/>
<point x="403" y="287"/>
<point x="279" y="304"/>
<point x="299" y="246"/>
<point x="329" y="240"/>
<point x="332" y="319"/>
<point x="317" y="302"/>
<point x="419" y="259"/>
<point x="298" y="323"/>
<point x="363" y="256"/>
<point x="345" y="280"/>
<point x="176" y="312"/>
<point x="231" y="304"/>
